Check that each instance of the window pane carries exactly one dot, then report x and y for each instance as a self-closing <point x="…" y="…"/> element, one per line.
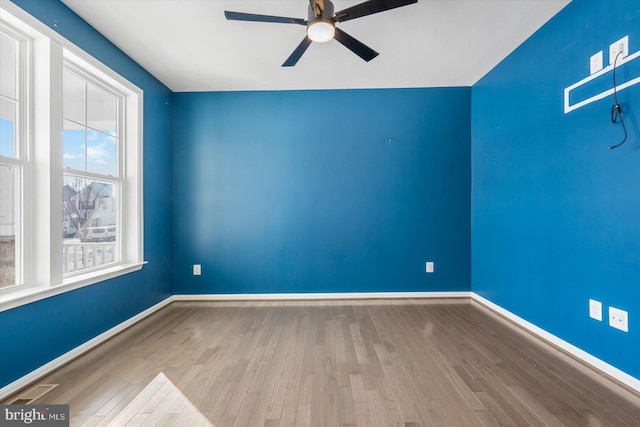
<point x="102" y="110"/>
<point x="74" y="146"/>
<point x="89" y="227"/>
<point x="89" y="146"/>
<point x="73" y="93"/>
<point x="8" y="216"/>
<point x="8" y="63"/>
<point x="101" y="153"/>
<point x="7" y="128"/>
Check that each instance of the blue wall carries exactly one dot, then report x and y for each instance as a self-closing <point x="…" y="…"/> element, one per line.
<point x="556" y="214"/>
<point x="35" y="334"/>
<point x="322" y="191"/>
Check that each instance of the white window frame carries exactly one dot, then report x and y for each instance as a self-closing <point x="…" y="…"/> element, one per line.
<point x="42" y="207"/>
<point x="117" y="180"/>
<point x="21" y="154"/>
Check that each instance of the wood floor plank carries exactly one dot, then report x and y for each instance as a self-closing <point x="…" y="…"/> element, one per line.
<point x="405" y="363"/>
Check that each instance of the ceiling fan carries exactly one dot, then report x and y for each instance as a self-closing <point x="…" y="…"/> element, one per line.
<point x="321" y="24"/>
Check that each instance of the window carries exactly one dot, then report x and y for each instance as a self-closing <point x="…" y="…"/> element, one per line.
<point x="70" y="165"/>
<point x="91" y="180"/>
<point x="12" y="154"/>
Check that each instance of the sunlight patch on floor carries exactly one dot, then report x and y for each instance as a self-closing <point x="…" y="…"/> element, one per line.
<point x="161" y="402"/>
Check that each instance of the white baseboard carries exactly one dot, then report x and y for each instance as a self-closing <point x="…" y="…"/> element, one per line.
<point x="33" y="376"/>
<point x="319" y="296"/>
<point x="592" y="361"/>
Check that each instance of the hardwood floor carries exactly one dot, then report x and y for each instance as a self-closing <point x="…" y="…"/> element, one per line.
<point x="406" y="363"/>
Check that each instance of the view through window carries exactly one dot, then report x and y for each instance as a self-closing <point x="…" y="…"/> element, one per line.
<point x="91" y="179"/>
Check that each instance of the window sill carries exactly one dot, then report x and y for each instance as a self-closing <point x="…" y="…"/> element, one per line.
<point x="12" y="298"/>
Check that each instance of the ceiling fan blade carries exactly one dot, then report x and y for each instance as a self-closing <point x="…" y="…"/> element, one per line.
<point x="369" y="8"/>
<point x="239" y="16"/>
<point x="297" y="54"/>
<point x="355" y="46"/>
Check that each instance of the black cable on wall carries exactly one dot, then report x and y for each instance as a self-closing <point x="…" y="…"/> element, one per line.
<point x="616" y="109"/>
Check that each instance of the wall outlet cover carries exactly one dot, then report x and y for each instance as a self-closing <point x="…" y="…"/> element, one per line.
<point x="616" y="47"/>
<point x="430" y="267"/>
<point x="596" y="63"/>
<point x="595" y="309"/>
<point x="197" y="269"/>
<point x="619" y="319"/>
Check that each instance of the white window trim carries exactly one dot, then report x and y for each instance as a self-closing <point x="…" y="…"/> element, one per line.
<point x="43" y="277"/>
<point x="21" y="159"/>
<point x="91" y="76"/>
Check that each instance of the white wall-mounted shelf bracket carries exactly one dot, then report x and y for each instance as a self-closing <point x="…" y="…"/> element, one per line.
<point x="570" y="106"/>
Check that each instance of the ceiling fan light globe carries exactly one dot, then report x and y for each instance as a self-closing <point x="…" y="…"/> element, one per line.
<point x="321" y="30"/>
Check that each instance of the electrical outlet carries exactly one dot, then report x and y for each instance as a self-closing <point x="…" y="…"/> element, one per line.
<point x="619" y="319"/>
<point x="595" y="309"/>
<point x="620" y="46"/>
<point x="197" y="269"/>
<point x="595" y="63"/>
<point x="430" y="267"/>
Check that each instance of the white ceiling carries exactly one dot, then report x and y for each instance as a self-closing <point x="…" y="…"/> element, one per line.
<point x="190" y="46"/>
